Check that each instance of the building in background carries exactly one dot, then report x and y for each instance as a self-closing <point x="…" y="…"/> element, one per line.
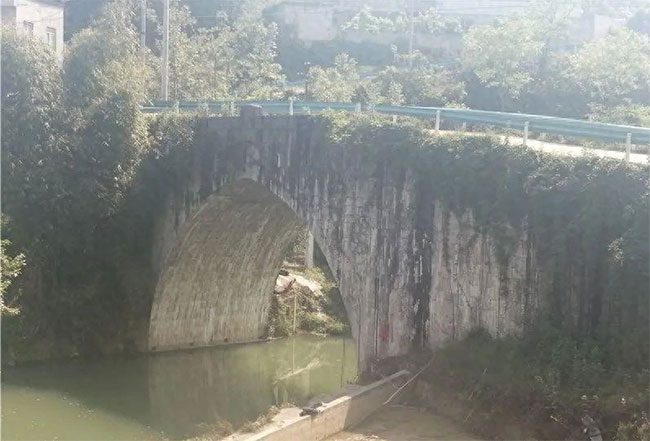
<point x="43" y="19"/>
<point x="482" y="11"/>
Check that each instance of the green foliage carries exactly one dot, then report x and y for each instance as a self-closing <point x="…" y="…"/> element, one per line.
<point x="334" y="84"/>
<point x="520" y="64"/>
<point x="637" y="429"/>
<point x="610" y="76"/>
<point x="317" y="312"/>
<point x="31" y="115"/>
<point x="426" y="22"/>
<point x="10" y="268"/>
<point x="635" y="115"/>
<point x="196" y="70"/>
<point x="232" y="60"/>
<point x="421" y="84"/>
<point x="394" y="93"/>
<point x="542" y="379"/>
<point x="70" y="163"/>
<point x="366" y="21"/>
<point x="504" y="56"/>
<point x="104" y="61"/>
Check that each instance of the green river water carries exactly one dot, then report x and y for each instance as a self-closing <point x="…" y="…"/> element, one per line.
<point x="170" y="395"/>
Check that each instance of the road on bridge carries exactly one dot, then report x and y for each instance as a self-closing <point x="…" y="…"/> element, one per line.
<point x="564" y="149"/>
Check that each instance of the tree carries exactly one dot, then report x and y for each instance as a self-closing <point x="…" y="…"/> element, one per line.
<point x="232" y="60"/>
<point x="426" y="22"/>
<point x="195" y="71"/>
<point x="640" y="21"/>
<point x="10" y="268"/>
<point x="366" y="21"/>
<point x="614" y="70"/>
<point x="394" y="93"/>
<point x="32" y="146"/>
<point x="633" y="114"/>
<point x="256" y="74"/>
<point x="504" y="56"/>
<point x="106" y="59"/>
<point x="334" y="84"/>
<point x="418" y="82"/>
<point x="105" y="81"/>
<point x="74" y="142"/>
<point x="514" y="58"/>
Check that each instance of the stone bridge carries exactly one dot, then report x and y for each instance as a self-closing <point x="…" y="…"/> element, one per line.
<point x="411" y="273"/>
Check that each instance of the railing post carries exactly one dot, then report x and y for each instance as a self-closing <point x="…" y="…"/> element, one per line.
<point x="291" y="106"/>
<point x="463" y="128"/>
<point x="628" y="147"/>
<point x="438" y="121"/>
<point x="357" y="107"/>
<point x="232" y="108"/>
<point x="394" y="118"/>
<point x="526" y="126"/>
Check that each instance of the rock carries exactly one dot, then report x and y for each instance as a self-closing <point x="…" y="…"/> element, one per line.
<point x="313" y="287"/>
<point x="283" y="283"/>
<point x="312" y="409"/>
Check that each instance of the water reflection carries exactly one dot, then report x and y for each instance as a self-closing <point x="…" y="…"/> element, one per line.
<point x="171" y="394"/>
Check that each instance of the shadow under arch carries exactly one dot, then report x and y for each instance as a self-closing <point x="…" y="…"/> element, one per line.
<point x="216" y="283"/>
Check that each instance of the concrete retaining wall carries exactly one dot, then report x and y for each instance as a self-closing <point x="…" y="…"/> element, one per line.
<point x="347" y="411"/>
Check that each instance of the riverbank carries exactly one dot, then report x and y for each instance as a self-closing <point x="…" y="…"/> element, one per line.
<point x="404" y="423"/>
<point x="306" y="299"/>
<point x="537" y="388"/>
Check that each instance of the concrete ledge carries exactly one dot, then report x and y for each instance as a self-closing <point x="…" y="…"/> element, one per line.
<point x="346" y="411"/>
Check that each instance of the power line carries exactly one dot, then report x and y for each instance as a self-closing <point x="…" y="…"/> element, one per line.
<point x="164" y="86"/>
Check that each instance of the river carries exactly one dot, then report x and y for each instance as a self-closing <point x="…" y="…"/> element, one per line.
<point x="171" y="395"/>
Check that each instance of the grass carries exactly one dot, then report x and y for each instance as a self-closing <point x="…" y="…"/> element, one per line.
<point x="540" y="387"/>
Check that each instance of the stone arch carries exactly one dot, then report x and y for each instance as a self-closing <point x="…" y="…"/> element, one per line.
<point x="216" y="283"/>
<point x="359" y="215"/>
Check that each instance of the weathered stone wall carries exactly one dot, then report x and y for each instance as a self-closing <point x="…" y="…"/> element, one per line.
<point x="411" y="273"/>
<point x="211" y="288"/>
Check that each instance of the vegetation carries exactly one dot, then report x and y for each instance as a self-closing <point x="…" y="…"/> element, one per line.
<point x="535" y="62"/>
<point x="336" y="83"/>
<point x="428" y="22"/>
<point x="539" y="386"/>
<point x="235" y="59"/>
<point x="319" y="312"/>
<point x="73" y="142"/>
<point x="530" y="63"/>
<point x="609" y="76"/>
<point x="10" y="267"/>
<point x="417" y="83"/>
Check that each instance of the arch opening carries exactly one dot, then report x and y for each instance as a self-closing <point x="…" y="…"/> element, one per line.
<point x="219" y="283"/>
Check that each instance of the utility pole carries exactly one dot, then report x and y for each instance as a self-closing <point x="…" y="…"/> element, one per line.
<point x="411" y="34"/>
<point x="143" y="27"/>
<point x="164" y="83"/>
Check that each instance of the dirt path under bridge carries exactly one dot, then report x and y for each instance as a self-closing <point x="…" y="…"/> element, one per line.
<point x="398" y="423"/>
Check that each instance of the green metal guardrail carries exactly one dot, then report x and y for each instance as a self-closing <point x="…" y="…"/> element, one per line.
<point x="515" y="121"/>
